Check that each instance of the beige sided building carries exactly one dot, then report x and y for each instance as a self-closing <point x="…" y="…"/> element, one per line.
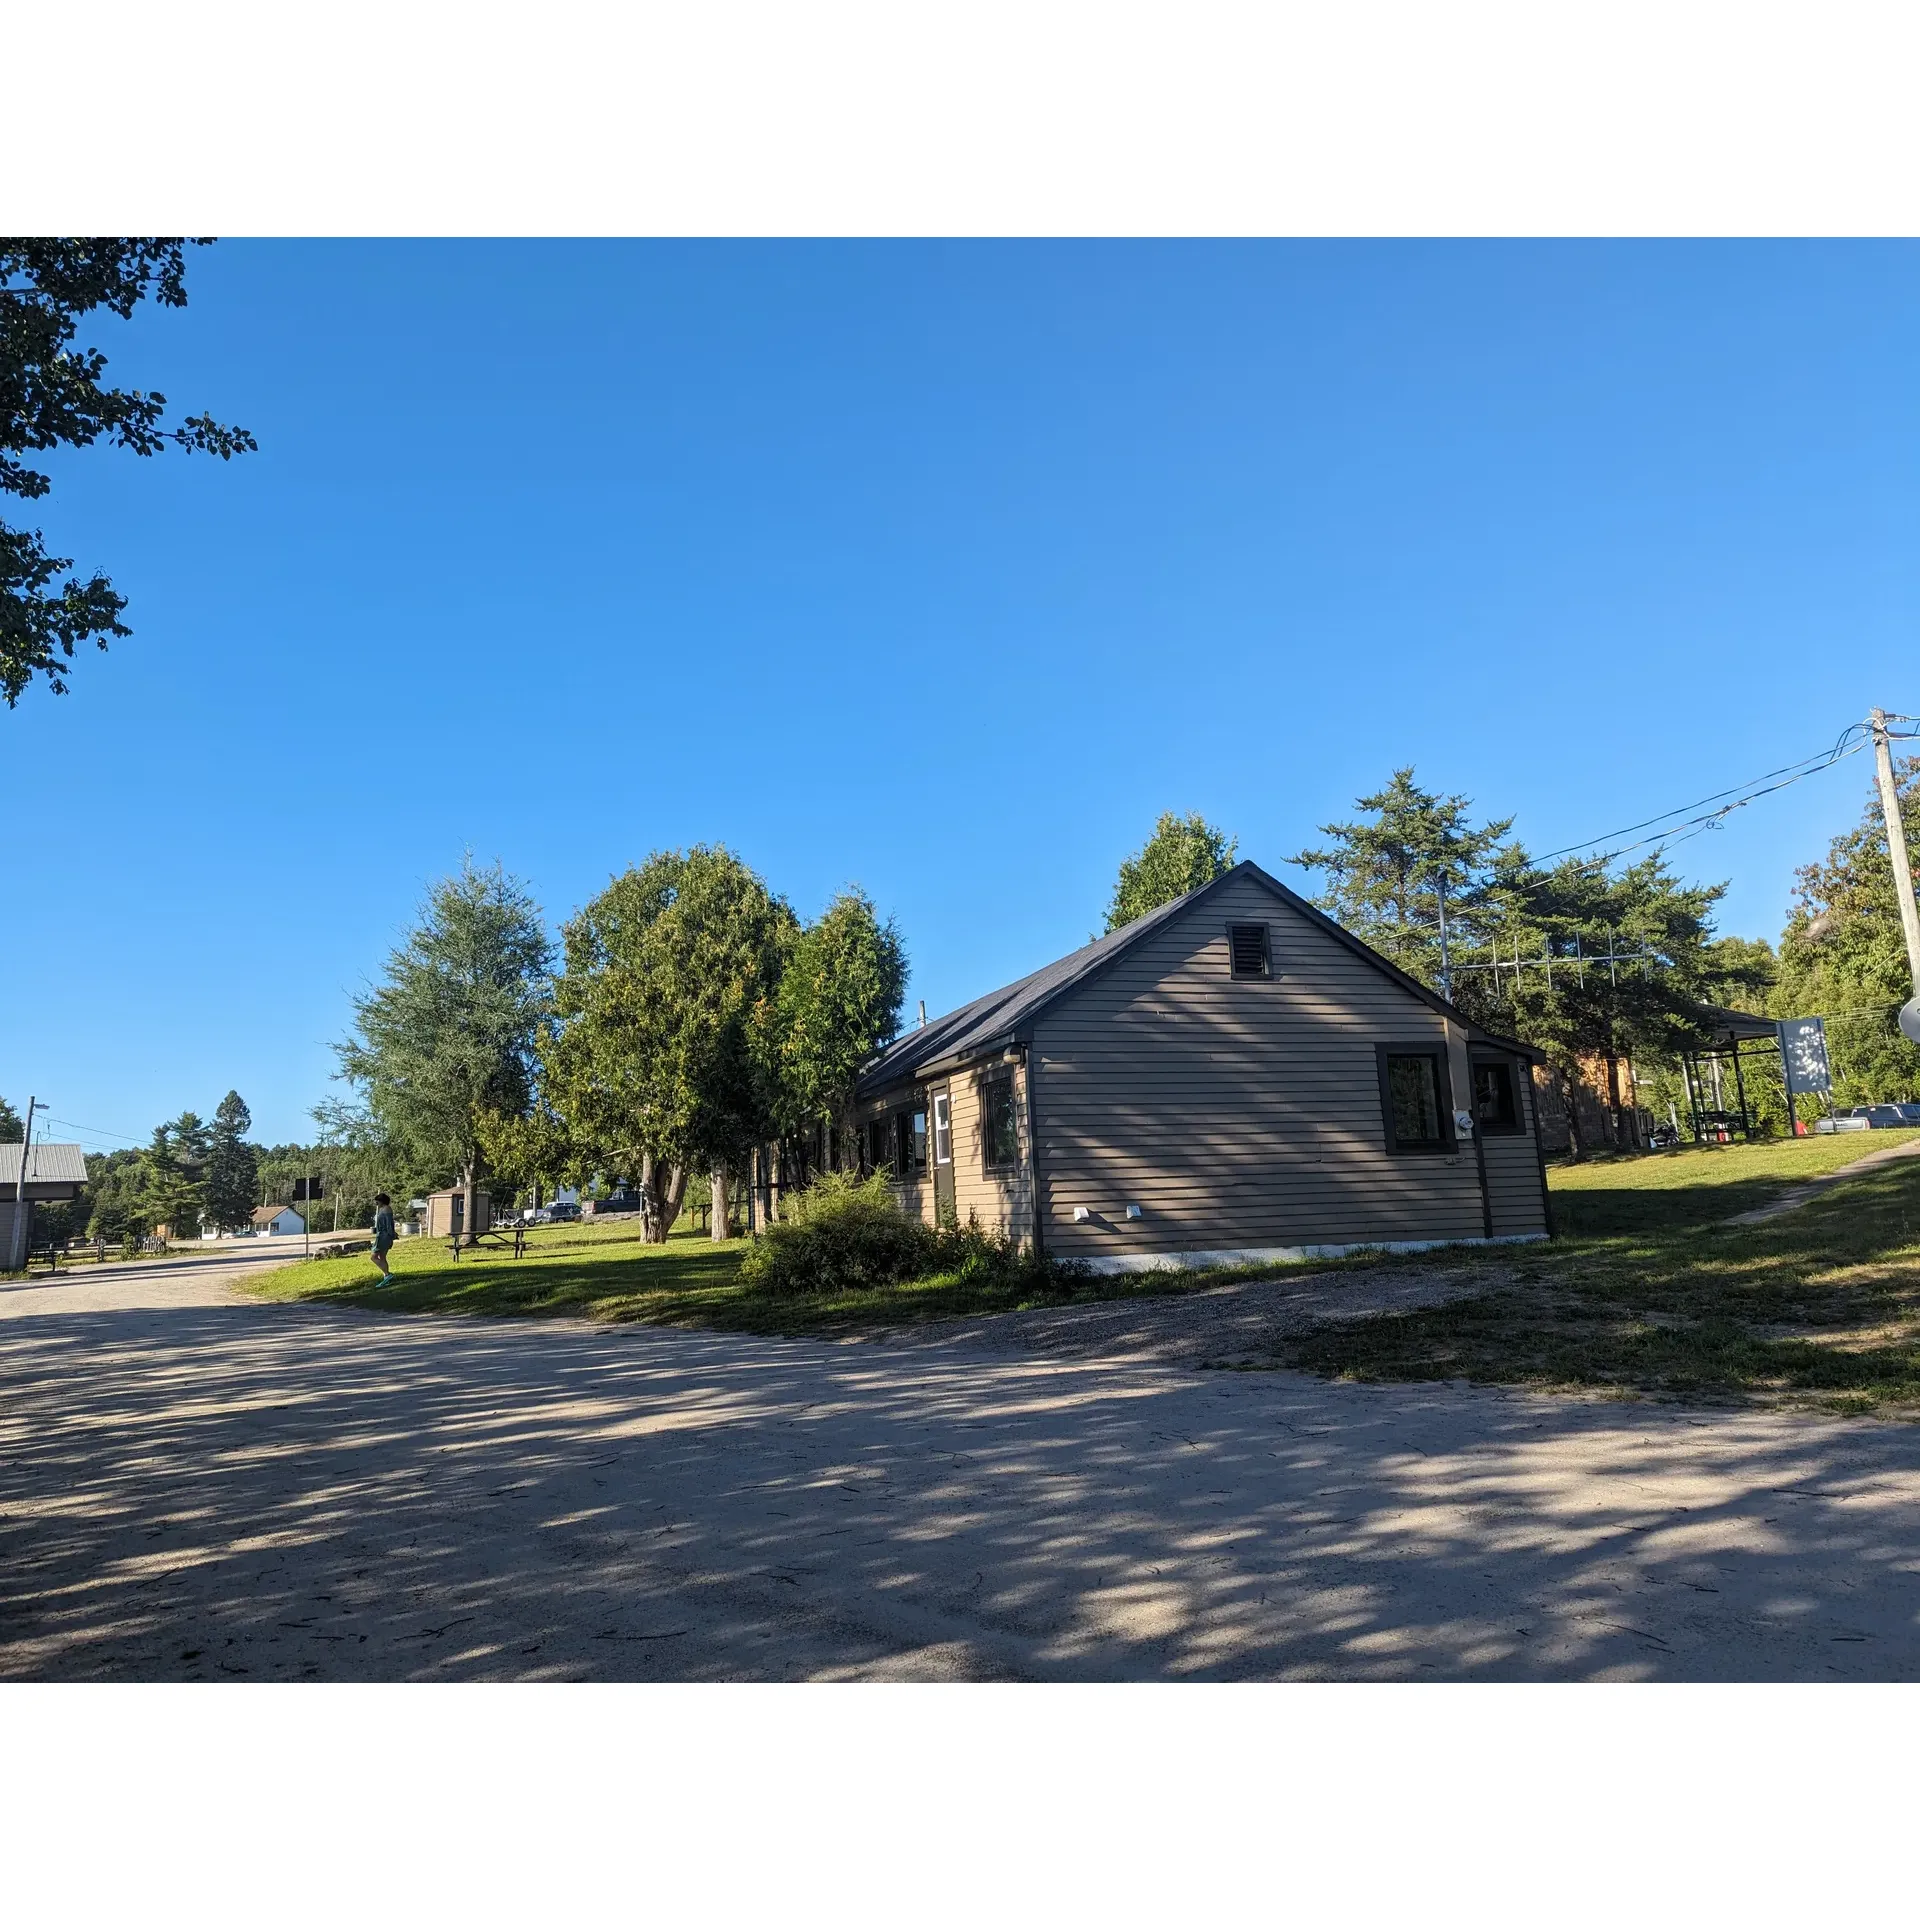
<point x="1233" y="1077"/>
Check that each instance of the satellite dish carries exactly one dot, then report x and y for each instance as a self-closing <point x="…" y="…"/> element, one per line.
<point x="1910" y="1019"/>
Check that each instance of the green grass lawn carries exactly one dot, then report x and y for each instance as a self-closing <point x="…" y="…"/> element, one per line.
<point x="606" y="1272"/>
<point x="1645" y="1290"/>
<point x="1689" y="1185"/>
<point x="1648" y="1290"/>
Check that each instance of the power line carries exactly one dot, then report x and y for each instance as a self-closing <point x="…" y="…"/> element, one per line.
<point x="104" y="1132"/>
<point x="1795" y="770"/>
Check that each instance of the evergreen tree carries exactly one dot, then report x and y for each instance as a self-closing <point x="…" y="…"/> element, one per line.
<point x="1634" y="965"/>
<point x="838" y="1003"/>
<point x="1392" y="878"/>
<point x="232" y="1166"/>
<point x="1182" y="854"/>
<point x="12" y="1127"/>
<point x="449" y="1039"/>
<point x="174" y="1187"/>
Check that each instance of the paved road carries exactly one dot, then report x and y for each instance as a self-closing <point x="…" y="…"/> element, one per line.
<point x="194" y="1486"/>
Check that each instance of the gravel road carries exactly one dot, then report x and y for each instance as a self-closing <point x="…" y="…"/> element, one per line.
<point x="192" y="1486"/>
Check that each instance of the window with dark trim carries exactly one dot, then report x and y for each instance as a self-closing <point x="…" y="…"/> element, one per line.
<point x="910" y="1143"/>
<point x="876" y="1147"/>
<point x="1496" y="1097"/>
<point x="1247" y="950"/>
<point x="999" y="1127"/>
<point x="1414" y="1098"/>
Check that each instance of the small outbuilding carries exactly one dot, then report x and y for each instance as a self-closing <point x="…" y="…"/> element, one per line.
<point x="56" y="1170"/>
<point x="447" y="1213"/>
<point x="276" y="1221"/>
<point x="1229" y="1079"/>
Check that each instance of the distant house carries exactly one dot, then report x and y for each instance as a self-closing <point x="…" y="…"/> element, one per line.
<point x="1231" y="1078"/>
<point x="55" y="1170"/>
<point x="277" y="1220"/>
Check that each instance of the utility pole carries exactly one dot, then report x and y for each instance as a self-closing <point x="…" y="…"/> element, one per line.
<point x="1897" y="844"/>
<point x="17" y="1249"/>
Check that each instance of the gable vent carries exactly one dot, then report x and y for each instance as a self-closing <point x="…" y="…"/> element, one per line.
<point x="1247" y="943"/>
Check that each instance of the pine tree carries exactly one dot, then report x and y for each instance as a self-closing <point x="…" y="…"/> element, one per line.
<point x="1392" y="878"/>
<point x="232" y="1166"/>
<point x="174" y="1187"/>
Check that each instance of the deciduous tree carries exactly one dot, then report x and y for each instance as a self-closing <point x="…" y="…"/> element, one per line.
<point x="449" y="1040"/>
<point x="1843" y="952"/>
<point x="52" y="395"/>
<point x="660" y="1059"/>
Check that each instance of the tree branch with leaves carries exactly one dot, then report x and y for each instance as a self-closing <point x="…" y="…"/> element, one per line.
<point x="52" y="394"/>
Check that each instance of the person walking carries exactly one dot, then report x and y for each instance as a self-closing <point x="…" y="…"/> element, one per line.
<point x="382" y="1238"/>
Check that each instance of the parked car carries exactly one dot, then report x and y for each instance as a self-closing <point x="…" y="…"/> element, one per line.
<point x="1889" y="1113"/>
<point x="1843" y="1120"/>
<point x="564" y="1210"/>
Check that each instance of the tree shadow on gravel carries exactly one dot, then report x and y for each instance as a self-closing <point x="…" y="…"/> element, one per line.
<point x="295" y="1493"/>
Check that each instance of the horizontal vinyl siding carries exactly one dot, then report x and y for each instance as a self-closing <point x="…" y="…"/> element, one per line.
<point x="1513" y="1171"/>
<point x="999" y="1202"/>
<point x="1237" y="1113"/>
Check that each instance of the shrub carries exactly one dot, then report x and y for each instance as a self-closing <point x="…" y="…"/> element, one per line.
<point x="845" y="1233"/>
<point x="840" y="1232"/>
<point x="981" y="1257"/>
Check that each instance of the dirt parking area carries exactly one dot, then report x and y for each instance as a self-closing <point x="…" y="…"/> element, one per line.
<point x="197" y="1486"/>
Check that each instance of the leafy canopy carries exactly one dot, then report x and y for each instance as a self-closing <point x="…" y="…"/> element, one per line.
<point x="450" y="1038"/>
<point x="1183" y="852"/>
<point x="666" y="1024"/>
<point x="52" y="394"/>
<point x="838" y="1004"/>
<point x="1843" y="951"/>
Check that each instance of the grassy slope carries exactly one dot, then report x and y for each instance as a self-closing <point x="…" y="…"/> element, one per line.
<point x="607" y="1272"/>
<point x="1647" y="1290"/>
<point x="1700" y="1183"/>
<point x="1643" y="1290"/>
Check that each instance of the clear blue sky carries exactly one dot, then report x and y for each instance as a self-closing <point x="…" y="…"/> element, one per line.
<point x="940" y="569"/>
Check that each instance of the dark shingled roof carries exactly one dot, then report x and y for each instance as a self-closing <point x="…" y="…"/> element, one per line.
<point x="999" y="1017"/>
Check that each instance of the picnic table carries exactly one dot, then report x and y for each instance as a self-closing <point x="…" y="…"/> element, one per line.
<point x="498" y="1235"/>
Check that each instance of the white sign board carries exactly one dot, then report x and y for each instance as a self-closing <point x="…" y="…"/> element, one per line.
<point x="1803" y="1047"/>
